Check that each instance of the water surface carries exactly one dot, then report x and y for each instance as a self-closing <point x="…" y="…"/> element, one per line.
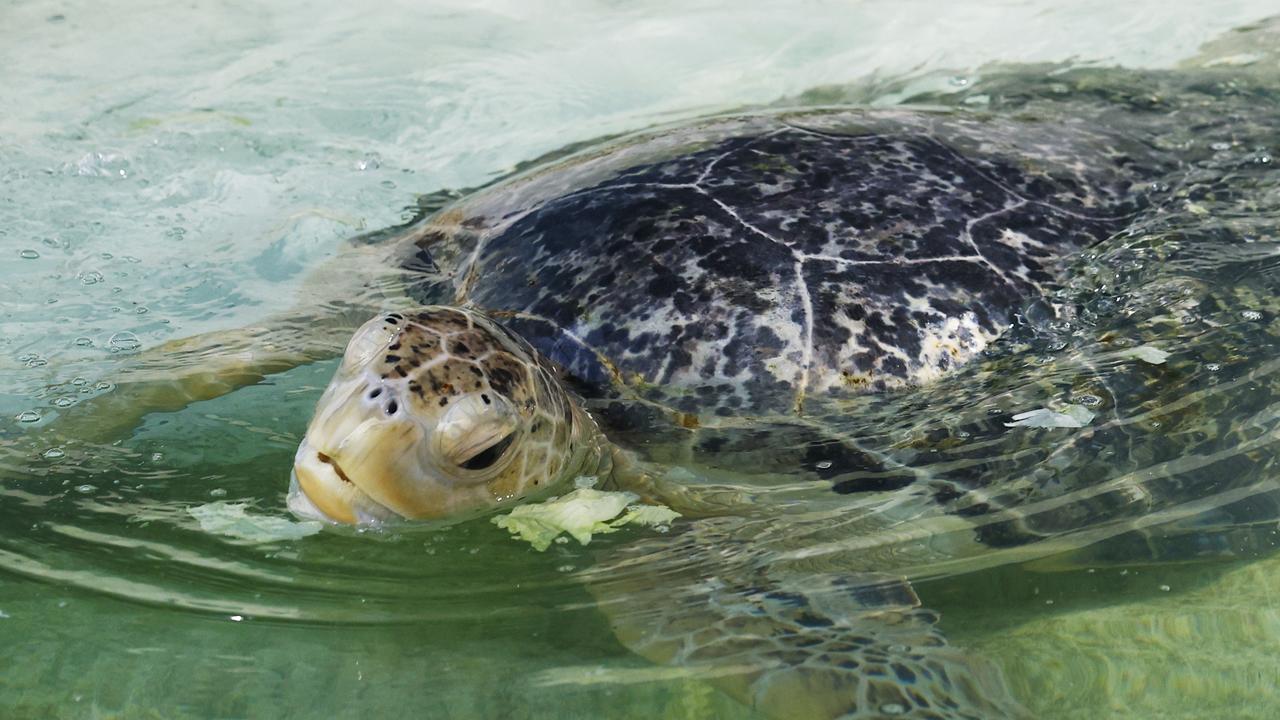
<point x="171" y="170"/>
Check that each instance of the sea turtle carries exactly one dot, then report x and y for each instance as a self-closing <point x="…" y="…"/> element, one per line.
<point x="807" y="331"/>
<point x="738" y="272"/>
<point x="689" y="293"/>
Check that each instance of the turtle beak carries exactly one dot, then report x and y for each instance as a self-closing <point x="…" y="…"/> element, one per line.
<point x="321" y="490"/>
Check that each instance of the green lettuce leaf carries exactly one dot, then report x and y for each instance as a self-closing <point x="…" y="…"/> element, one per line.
<point x="230" y="519"/>
<point x="582" y="513"/>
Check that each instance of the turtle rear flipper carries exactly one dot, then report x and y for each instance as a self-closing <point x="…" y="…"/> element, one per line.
<point x="1242" y="527"/>
<point x="847" y="646"/>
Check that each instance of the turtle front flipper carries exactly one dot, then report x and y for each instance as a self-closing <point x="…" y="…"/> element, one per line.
<point x="332" y="301"/>
<point x="856" y="645"/>
<point x="181" y="372"/>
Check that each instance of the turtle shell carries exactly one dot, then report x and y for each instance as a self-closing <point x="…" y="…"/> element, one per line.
<point x="743" y="266"/>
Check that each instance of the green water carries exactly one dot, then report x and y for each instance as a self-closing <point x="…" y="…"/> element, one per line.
<point x="170" y="170"/>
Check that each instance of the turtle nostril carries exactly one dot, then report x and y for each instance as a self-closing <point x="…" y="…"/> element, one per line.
<point x="392" y="407"/>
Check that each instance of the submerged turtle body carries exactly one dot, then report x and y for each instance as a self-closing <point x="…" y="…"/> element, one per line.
<point x="719" y="314"/>
<point x="745" y="277"/>
<point x="747" y="266"/>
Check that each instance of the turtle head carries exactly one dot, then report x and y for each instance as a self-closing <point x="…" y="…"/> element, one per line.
<point x="438" y="414"/>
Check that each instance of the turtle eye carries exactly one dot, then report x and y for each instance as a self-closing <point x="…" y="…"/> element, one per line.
<point x="476" y="431"/>
<point x="490" y="455"/>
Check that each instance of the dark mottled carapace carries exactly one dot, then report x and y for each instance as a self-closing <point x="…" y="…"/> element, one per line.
<point x="778" y="259"/>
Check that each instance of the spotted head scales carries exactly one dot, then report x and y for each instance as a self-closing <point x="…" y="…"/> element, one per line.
<point x="438" y="413"/>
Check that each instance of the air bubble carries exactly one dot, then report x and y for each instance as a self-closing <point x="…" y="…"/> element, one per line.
<point x="1212" y="367"/>
<point x="824" y="465"/>
<point x="53" y="454"/>
<point x="79" y="381"/>
<point x="28" y="254"/>
<point x="28" y="416"/>
<point x="91" y="277"/>
<point x="218" y="492"/>
<point x="1088" y="400"/>
<point x="1165" y="588"/>
<point x="104" y="386"/>
<point x="1251" y="315"/>
<point x="124" y="341"/>
<point x="64" y="402"/>
<point x="369" y="162"/>
<point x="893" y="709"/>
<point x="1220" y="146"/>
<point x="85" y="489"/>
<point x="99" y="164"/>
<point x="84" y="341"/>
<point x="958" y="81"/>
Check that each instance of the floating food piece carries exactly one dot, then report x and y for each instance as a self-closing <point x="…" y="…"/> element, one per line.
<point x="230" y="519"/>
<point x="581" y="513"/>
<point x="1074" y="416"/>
<point x="1148" y="354"/>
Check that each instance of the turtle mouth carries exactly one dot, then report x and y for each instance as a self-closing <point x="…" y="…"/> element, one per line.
<point x="337" y="469"/>
<point x="322" y="490"/>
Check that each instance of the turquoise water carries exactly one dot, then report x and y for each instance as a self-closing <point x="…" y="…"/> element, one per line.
<point x="172" y="170"/>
